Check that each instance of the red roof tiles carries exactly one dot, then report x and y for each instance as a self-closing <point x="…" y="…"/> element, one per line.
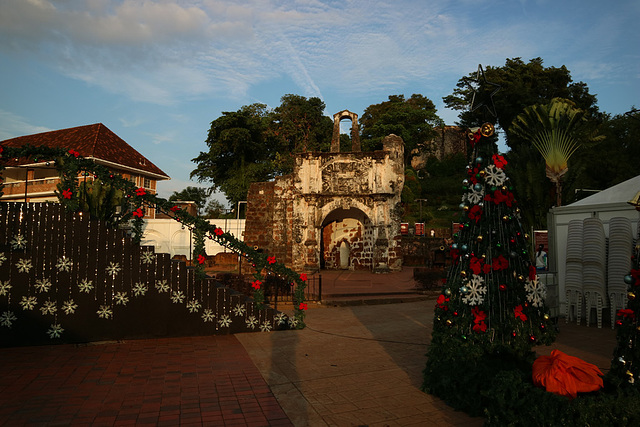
<point x="95" y="141"/>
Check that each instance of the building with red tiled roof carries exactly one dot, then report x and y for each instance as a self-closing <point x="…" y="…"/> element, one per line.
<point x="29" y="181"/>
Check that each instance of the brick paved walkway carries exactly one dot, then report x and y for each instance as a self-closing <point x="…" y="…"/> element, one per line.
<point x="180" y="381"/>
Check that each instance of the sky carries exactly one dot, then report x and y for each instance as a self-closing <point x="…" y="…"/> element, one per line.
<point x="157" y="73"/>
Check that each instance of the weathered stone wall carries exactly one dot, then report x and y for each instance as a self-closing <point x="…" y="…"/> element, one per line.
<point x="290" y="221"/>
<point x="450" y="140"/>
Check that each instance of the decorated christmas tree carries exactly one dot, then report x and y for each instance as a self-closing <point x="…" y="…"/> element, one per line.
<point x="491" y="311"/>
<point x="625" y="366"/>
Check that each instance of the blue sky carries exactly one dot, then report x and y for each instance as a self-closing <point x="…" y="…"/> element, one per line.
<point x="158" y="72"/>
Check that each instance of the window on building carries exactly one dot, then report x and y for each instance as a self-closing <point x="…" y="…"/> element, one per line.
<point x="147" y="183"/>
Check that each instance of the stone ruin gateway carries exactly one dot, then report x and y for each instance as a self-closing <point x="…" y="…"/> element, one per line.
<point x="335" y="210"/>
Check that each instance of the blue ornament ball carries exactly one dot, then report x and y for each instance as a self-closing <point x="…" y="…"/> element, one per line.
<point x="628" y="279"/>
<point x="477" y="187"/>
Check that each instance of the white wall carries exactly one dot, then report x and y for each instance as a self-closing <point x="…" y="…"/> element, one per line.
<point x="169" y="236"/>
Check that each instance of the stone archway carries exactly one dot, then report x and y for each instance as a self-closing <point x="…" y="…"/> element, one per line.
<point x="347" y="240"/>
<point x="355" y="131"/>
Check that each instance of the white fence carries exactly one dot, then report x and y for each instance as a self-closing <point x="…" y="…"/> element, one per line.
<point x="171" y="237"/>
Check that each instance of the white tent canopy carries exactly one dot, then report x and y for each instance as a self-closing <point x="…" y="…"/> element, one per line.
<point x="607" y="204"/>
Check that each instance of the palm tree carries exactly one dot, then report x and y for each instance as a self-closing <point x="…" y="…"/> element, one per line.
<point x="556" y="130"/>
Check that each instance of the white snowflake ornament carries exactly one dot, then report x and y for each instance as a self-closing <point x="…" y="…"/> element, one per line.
<point x="281" y="318"/>
<point x="64" y="264"/>
<point x="476" y="290"/>
<point x="3" y="258"/>
<point x="239" y="310"/>
<point x="43" y="285"/>
<point x="7" y="318"/>
<point x="265" y="327"/>
<point x="251" y="322"/>
<point x="55" y="331"/>
<point x="104" y="312"/>
<point x="140" y="289"/>
<point x="49" y="307"/>
<point x="5" y="287"/>
<point x="113" y="269"/>
<point x="69" y="307"/>
<point x="121" y="298"/>
<point x="28" y="303"/>
<point x="194" y="306"/>
<point x="293" y="322"/>
<point x="494" y="176"/>
<point x="24" y="265"/>
<point x="207" y="315"/>
<point x="177" y="297"/>
<point x="162" y="286"/>
<point x="85" y="285"/>
<point x="225" y="321"/>
<point x="18" y="242"/>
<point x="147" y="257"/>
<point x="536" y="292"/>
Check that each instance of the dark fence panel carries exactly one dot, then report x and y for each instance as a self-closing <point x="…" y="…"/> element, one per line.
<point x="67" y="278"/>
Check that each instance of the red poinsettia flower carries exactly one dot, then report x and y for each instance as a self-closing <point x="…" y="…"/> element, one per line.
<point x="500" y="263"/>
<point x="140" y="192"/>
<point x="476" y="137"/>
<point x="499" y="161"/>
<point x="74" y="153"/>
<point x="566" y="375"/>
<point x="201" y="259"/>
<point x="175" y="209"/>
<point x="138" y="213"/>
<point x="303" y="306"/>
<point x="479" y="317"/>
<point x="440" y="303"/>
<point x="473" y="175"/>
<point x="256" y="284"/>
<point x="519" y="314"/>
<point x="67" y="193"/>
<point x="475" y="213"/>
<point x="626" y="313"/>
<point x="303" y="277"/>
<point x="455" y="255"/>
<point x="480" y="327"/>
<point x="218" y="231"/>
<point x="635" y="273"/>
<point x="532" y="272"/>
<point x="477" y="265"/>
<point x="271" y="259"/>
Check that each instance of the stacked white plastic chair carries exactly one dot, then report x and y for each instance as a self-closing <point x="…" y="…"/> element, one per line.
<point x="594" y="259"/>
<point x="619" y="263"/>
<point x="573" y="276"/>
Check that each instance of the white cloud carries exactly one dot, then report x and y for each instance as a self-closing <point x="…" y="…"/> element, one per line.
<point x="12" y="125"/>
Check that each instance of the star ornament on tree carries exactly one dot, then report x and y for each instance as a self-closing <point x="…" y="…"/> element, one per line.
<point x="483" y="92"/>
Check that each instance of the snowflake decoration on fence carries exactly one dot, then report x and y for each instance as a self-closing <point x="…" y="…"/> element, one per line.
<point x="18" y="242"/>
<point x="7" y="318"/>
<point x="113" y="269"/>
<point x="147" y="257"/>
<point x="140" y="289"/>
<point x="162" y="286"/>
<point x="194" y="306"/>
<point x="251" y="322"/>
<point x="475" y="291"/>
<point x="207" y="315"/>
<point x="121" y="298"/>
<point x="536" y="292"/>
<point x="24" y="265"/>
<point x="177" y="297"/>
<point x="281" y="318"/>
<point x="293" y="322"/>
<point x="43" y="285"/>
<point x="239" y="310"/>
<point x="104" y="312"/>
<point x="49" y="307"/>
<point x="2" y="258"/>
<point x="28" y="303"/>
<point x="85" y="285"/>
<point x="69" y="307"/>
<point x="494" y="176"/>
<point x="265" y="327"/>
<point x="5" y="287"/>
<point x="225" y="321"/>
<point x="55" y="331"/>
<point x="64" y="264"/>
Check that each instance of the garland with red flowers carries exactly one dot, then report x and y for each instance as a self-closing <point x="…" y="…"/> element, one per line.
<point x="70" y="164"/>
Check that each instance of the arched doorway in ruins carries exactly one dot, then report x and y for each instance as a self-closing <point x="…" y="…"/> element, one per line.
<point x="346" y="240"/>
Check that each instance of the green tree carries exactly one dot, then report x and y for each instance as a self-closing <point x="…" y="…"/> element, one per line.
<point x="556" y="130"/>
<point x="214" y="209"/>
<point x="238" y="153"/>
<point x="198" y="195"/>
<point x="412" y="119"/>
<point x="101" y="200"/>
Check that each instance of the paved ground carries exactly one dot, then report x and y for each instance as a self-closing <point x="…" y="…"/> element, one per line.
<point x="353" y="365"/>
